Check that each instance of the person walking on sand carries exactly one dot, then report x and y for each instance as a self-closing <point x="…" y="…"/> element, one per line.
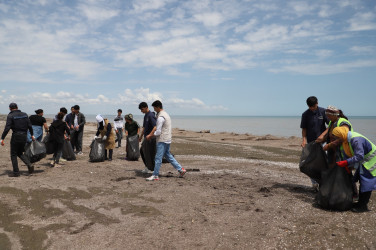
<point x="105" y="130"/>
<point x="148" y="147"/>
<point x="78" y="129"/>
<point x="38" y="122"/>
<point x="119" y="124"/>
<point x="19" y="123"/>
<point x="313" y="125"/>
<point x="57" y="137"/>
<point x="163" y="134"/>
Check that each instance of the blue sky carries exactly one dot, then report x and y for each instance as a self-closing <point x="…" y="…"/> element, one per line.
<point x="230" y="57"/>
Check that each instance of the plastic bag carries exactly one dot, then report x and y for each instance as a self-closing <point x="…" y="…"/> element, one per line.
<point x="133" y="149"/>
<point x="335" y="189"/>
<point x="148" y="150"/>
<point x="97" y="151"/>
<point x="35" y="151"/>
<point x="313" y="161"/>
<point x="68" y="152"/>
<point x="49" y="145"/>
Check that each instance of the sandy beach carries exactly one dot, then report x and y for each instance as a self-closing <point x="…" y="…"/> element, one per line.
<point x="240" y="192"/>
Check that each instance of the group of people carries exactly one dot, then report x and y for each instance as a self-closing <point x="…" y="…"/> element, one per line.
<point x="156" y="131"/>
<point x="345" y="147"/>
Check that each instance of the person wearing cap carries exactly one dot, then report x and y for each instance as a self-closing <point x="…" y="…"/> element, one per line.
<point x="163" y="134"/>
<point x="19" y="123"/>
<point x="358" y="153"/>
<point x="148" y="147"/>
<point x="77" y="129"/>
<point x="313" y="124"/>
<point x="337" y="119"/>
<point x="105" y="132"/>
<point x="38" y="122"/>
<point x="131" y="128"/>
<point x="119" y="124"/>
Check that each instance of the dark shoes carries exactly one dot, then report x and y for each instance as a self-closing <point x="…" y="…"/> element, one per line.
<point x="13" y="174"/>
<point x="360" y="209"/>
<point x="31" y="169"/>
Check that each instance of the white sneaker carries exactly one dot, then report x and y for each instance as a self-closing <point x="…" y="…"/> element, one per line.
<point x="153" y="178"/>
<point x="80" y="153"/>
<point x="62" y="160"/>
<point x="146" y="171"/>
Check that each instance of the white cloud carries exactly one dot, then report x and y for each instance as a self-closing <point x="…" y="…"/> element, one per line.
<point x="363" y="21"/>
<point x="210" y="19"/>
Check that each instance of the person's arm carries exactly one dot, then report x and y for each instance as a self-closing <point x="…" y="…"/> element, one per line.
<point x="8" y="125"/>
<point x="30" y="127"/>
<point x="83" y="121"/>
<point x="321" y="138"/>
<point x="108" y="130"/>
<point x="45" y="127"/>
<point x="304" y="136"/>
<point x="149" y="136"/>
<point x="141" y="135"/>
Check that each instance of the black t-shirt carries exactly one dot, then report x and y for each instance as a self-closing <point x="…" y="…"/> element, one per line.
<point x="150" y="121"/>
<point x="37" y="120"/>
<point x="314" y="122"/>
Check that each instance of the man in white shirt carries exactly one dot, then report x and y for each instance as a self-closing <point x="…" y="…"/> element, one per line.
<point x="119" y="124"/>
<point x="162" y="131"/>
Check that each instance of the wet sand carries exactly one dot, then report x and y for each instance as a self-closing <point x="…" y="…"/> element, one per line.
<point x="241" y="191"/>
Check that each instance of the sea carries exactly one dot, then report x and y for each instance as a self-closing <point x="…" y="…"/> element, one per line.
<point x="283" y="126"/>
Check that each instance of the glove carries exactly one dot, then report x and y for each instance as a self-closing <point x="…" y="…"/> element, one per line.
<point x="342" y="164"/>
<point x="33" y="138"/>
<point x="104" y="138"/>
<point x="95" y="137"/>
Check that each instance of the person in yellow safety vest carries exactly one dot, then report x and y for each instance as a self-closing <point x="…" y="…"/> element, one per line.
<point x="337" y="119"/>
<point x="359" y="153"/>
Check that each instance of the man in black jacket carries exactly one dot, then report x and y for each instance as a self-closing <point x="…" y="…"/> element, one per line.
<point x="19" y="123"/>
<point x="78" y="129"/>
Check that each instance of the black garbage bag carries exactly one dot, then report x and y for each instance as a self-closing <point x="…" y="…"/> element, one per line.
<point x="68" y="153"/>
<point x="35" y="151"/>
<point x="49" y="144"/>
<point x="313" y="161"/>
<point x="97" y="150"/>
<point x="335" y="189"/>
<point x="133" y="149"/>
<point x="148" y="150"/>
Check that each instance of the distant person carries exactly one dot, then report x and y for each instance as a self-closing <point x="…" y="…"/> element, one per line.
<point x="62" y="110"/>
<point x="148" y="147"/>
<point x="119" y="125"/>
<point x="163" y="133"/>
<point x="58" y="129"/>
<point x="105" y="131"/>
<point x="358" y="153"/>
<point x="313" y="125"/>
<point x="19" y="123"/>
<point x="69" y="119"/>
<point x="131" y="128"/>
<point x="78" y="129"/>
<point x="38" y="122"/>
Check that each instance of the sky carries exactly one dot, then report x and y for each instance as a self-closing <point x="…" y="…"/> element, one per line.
<point x="204" y="57"/>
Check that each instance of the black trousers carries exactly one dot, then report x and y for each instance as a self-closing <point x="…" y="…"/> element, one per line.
<point x="76" y="139"/>
<point x="58" y="149"/>
<point x="17" y="149"/>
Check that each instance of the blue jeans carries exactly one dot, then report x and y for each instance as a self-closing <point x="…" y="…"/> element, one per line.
<point x="38" y="133"/>
<point x="163" y="149"/>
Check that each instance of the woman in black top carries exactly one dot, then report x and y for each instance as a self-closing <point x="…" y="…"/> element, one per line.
<point x="38" y="122"/>
<point x="57" y="136"/>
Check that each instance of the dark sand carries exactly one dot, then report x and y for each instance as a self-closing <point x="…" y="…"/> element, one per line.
<point x="240" y="192"/>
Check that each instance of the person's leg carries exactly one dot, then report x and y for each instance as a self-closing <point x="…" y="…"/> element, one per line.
<point x="13" y="154"/>
<point x="73" y="139"/>
<point x="79" y="140"/>
<point x="58" y="152"/>
<point x="105" y="154"/>
<point x="161" y="147"/>
<point x="110" y="151"/>
<point x="172" y="159"/>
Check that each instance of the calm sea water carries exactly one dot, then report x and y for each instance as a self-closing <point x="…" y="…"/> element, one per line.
<point x="285" y="126"/>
